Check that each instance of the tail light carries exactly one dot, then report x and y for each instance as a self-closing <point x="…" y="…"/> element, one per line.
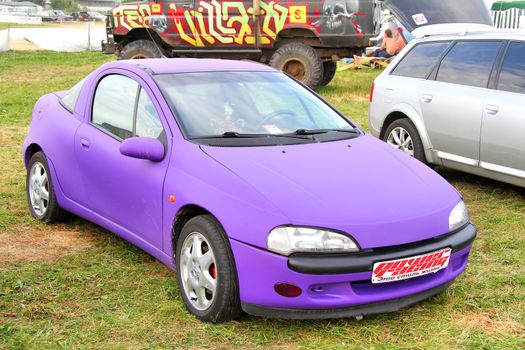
<point x="372" y="92"/>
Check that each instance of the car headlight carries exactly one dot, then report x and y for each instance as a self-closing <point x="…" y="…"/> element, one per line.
<point x="286" y="240"/>
<point x="458" y="216"/>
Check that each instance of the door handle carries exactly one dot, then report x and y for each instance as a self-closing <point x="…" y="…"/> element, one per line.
<point x="84" y="143"/>
<point x="492" y="109"/>
<point x="187" y="6"/>
<point x="427" y="98"/>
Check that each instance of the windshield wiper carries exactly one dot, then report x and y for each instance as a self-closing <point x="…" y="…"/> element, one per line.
<point x="325" y="131"/>
<point x="234" y="134"/>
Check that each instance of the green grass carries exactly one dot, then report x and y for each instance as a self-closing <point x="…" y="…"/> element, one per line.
<point x="112" y="295"/>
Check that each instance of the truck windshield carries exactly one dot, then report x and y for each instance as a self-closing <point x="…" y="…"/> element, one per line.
<point x="248" y="105"/>
<point x="416" y="13"/>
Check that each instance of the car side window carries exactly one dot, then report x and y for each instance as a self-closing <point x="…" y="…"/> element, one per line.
<point x="512" y="75"/>
<point x="420" y="60"/>
<point x="114" y="105"/>
<point x="147" y="122"/>
<point x="469" y="63"/>
<point x="69" y="100"/>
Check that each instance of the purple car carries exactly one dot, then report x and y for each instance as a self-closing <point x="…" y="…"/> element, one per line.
<point x="261" y="195"/>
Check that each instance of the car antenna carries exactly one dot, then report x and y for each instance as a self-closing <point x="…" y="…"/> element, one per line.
<point x="162" y="55"/>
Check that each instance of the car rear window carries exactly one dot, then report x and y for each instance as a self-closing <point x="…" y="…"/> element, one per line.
<point x="512" y="76"/>
<point x="420" y="60"/>
<point x="469" y="63"/>
<point x="70" y="98"/>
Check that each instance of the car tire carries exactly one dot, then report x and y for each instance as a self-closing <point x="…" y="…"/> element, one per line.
<point x="196" y="273"/>
<point x="403" y="135"/>
<point x="300" y="61"/>
<point x="140" y="49"/>
<point x="39" y="185"/>
<point x="329" y="69"/>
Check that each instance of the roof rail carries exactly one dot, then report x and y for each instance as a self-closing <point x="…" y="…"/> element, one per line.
<point x="449" y="29"/>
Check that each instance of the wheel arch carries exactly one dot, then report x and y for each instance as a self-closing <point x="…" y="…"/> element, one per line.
<point x="140" y="34"/>
<point x="183" y="215"/>
<point x="406" y="111"/>
<point x="30" y="151"/>
<point x="304" y="35"/>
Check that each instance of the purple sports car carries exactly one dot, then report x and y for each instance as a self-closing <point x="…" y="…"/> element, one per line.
<point x="261" y="195"/>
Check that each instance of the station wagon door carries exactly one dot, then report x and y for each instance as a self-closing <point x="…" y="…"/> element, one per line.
<point x="452" y="101"/>
<point x="503" y="130"/>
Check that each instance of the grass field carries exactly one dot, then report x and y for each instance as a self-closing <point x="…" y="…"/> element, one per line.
<point x="75" y="285"/>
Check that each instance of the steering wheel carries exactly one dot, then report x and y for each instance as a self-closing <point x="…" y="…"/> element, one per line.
<point x="280" y="112"/>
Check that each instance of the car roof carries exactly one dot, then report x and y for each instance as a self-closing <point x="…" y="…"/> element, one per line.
<point x="476" y="35"/>
<point x="193" y="65"/>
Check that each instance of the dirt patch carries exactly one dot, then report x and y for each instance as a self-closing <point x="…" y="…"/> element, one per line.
<point x="41" y="245"/>
<point x="23" y="45"/>
<point x="489" y="323"/>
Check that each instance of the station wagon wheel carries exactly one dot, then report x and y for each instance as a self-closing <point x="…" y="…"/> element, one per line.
<point x="400" y="139"/>
<point x="206" y="271"/>
<point x="403" y="135"/>
<point x="40" y="191"/>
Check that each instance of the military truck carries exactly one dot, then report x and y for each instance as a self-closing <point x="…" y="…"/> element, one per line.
<point x="303" y="38"/>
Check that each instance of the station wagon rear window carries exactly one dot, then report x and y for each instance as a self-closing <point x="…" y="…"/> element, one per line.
<point x="469" y="63"/>
<point x="420" y="60"/>
<point x="512" y="76"/>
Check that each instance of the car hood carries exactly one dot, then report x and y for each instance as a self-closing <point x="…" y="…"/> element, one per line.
<point x="362" y="186"/>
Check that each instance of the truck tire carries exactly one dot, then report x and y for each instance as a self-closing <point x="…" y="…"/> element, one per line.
<point x="300" y="61"/>
<point x="140" y="49"/>
<point x="329" y="72"/>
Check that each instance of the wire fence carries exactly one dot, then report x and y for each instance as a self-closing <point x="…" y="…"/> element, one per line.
<point x="510" y="19"/>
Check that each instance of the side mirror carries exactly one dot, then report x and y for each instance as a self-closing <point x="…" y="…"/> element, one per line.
<point x="143" y="148"/>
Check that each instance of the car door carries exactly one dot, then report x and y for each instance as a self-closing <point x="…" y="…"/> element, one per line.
<point x="452" y="100"/>
<point x="126" y="191"/>
<point x="503" y="131"/>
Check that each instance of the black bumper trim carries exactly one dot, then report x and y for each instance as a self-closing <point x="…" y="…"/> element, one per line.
<point x="324" y="264"/>
<point x="353" y="311"/>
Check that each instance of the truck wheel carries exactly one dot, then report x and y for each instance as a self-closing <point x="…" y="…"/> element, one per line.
<point x="140" y="49"/>
<point x="300" y="61"/>
<point x="329" y="72"/>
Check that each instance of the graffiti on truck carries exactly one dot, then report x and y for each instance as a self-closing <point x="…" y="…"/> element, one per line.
<point x="214" y="22"/>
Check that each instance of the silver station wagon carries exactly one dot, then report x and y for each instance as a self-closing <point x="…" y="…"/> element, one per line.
<point x="457" y="101"/>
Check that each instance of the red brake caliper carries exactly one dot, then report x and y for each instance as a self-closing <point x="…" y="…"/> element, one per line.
<point x="213" y="272"/>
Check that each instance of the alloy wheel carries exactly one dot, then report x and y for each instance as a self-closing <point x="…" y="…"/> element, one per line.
<point x="39" y="188"/>
<point x="198" y="271"/>
<point x="400" y="139"/>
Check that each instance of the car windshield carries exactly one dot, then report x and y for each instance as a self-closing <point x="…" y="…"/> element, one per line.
<point x="247" y="104"/>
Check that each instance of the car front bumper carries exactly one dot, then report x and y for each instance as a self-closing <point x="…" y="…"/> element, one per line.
<point x="390" y="305"/>
<point x="330" y="294"/>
